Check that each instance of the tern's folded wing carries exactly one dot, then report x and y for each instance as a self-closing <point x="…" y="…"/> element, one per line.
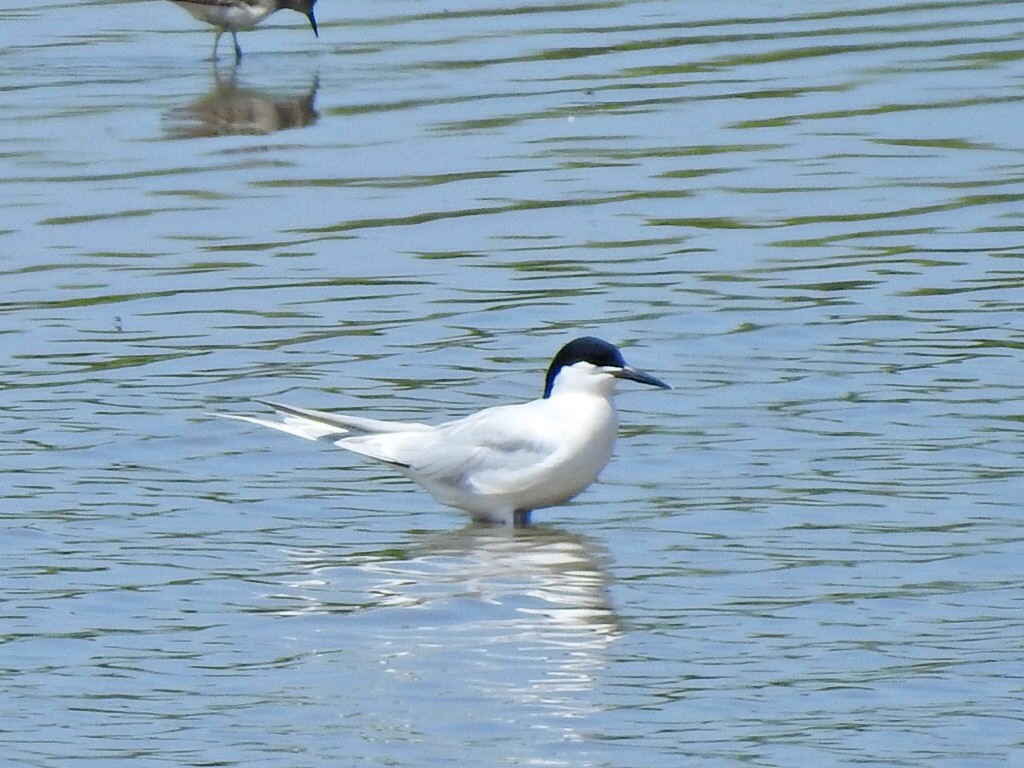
<point x="471" y="455"/>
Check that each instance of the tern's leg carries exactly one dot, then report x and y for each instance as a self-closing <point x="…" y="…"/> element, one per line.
<point x="216" y="39"/>
<point x="238" y="51"/>
<point x="521" y="518"/>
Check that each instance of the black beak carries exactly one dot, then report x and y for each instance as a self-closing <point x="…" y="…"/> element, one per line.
<point x="635" y="374"/>
<point x="312" y="22"/>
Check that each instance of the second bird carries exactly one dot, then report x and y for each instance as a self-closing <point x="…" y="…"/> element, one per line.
<point x="234" y="15"/>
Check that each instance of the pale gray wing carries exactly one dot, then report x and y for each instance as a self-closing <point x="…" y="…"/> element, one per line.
<point x="510" y="466"/>
<point x="497" y="451"/>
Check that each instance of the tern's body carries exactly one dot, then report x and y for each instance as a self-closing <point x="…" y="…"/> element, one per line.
<point x="500" y="463"/>
<point x="235" y="15"/>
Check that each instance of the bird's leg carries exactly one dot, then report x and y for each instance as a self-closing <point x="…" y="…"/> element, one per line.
<point x="216" y="40"/>
<point x="238" y="50"/>
<point x="521" y="518"/>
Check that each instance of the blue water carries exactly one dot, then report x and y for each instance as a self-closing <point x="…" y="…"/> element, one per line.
<point x="806" y="218"/>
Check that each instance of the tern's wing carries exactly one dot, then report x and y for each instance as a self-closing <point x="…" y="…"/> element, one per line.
<point x="315" y="425"/>
<point x="497" y="451"/>
<point x="511" y="466"/>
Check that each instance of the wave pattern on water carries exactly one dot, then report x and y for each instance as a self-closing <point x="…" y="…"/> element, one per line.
<point x="805" y="218"/>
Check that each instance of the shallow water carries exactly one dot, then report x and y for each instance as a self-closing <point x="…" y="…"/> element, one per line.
<point x="808" y="552"/>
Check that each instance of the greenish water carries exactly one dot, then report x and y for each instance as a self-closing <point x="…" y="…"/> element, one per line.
<point x="806" y="218"/>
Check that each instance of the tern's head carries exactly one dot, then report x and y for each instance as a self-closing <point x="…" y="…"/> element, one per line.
<point x="588" y="361"/>
<point x="305" y="7"/>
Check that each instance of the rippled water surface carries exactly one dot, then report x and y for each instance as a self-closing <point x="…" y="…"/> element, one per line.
<point x="805" y="216"/>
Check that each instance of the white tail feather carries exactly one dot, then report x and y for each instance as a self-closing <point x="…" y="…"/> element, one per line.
<point x="293" y="425"/>
<point x="316" y="425"/>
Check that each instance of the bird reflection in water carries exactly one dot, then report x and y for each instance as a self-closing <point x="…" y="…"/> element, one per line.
<point x="543" y="575"/>
<point x="231" y="110"/>
<point x="512" y="614"/>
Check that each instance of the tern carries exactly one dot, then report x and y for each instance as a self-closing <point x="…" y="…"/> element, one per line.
<point x="234" y="15"/>
<point x="501" y="463"/>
